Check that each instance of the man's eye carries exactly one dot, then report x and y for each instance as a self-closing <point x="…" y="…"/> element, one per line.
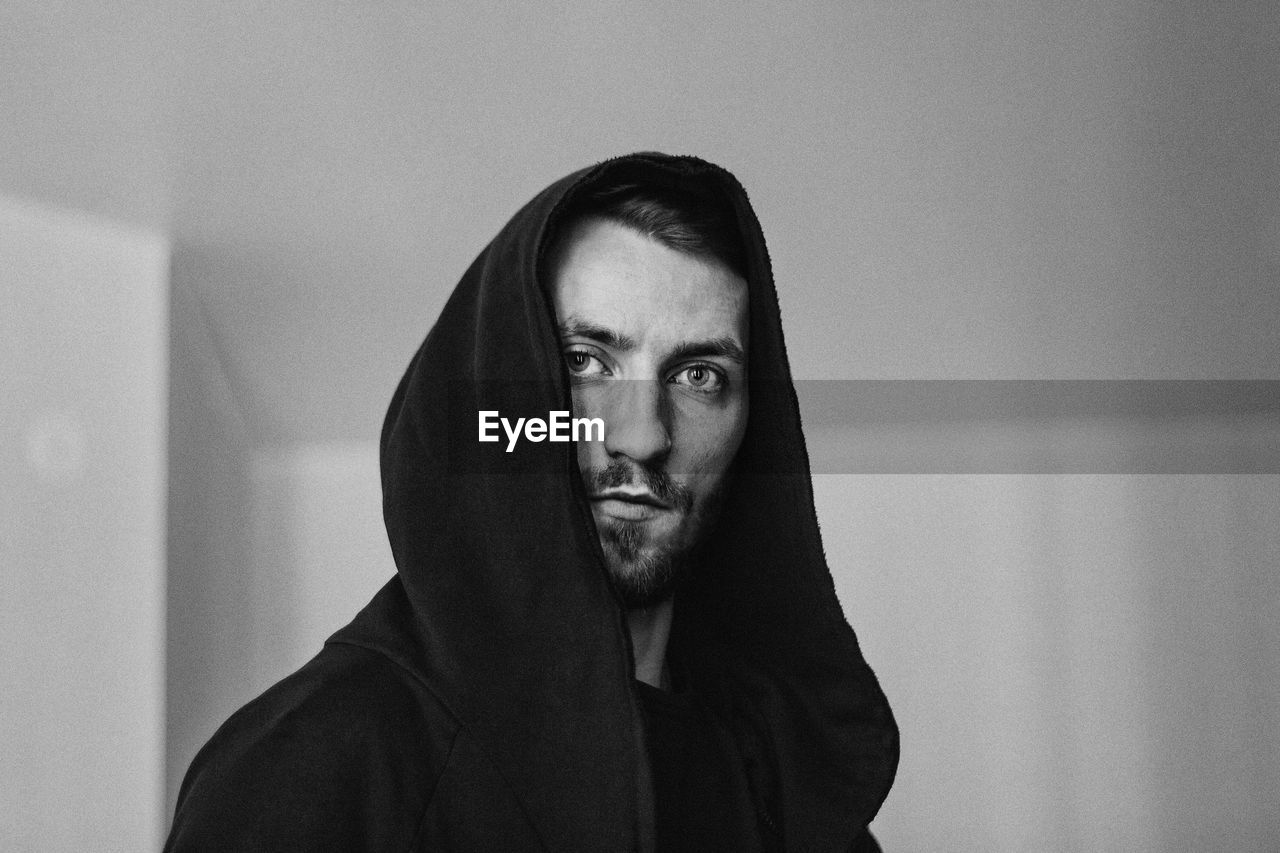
<point x="700" y="377"/>
<point x="582" y="363"/>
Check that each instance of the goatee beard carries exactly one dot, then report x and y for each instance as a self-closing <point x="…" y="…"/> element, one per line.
<point x="643" y="580"/>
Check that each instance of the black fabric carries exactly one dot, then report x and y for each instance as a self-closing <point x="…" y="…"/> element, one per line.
<point x="484" y="699"/>
<point x="701" y="800"/>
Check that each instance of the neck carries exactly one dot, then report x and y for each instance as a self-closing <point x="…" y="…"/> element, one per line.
<point x="650" y="629"/>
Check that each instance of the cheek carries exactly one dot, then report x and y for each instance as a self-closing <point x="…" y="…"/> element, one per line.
<point x="707" y="444"/>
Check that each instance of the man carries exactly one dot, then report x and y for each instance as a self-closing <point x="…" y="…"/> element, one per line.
<point x="627" y="643"/>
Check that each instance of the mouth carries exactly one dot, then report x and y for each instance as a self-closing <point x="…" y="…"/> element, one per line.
<point x="636" y="497"/>
<point x="629" y="505"/>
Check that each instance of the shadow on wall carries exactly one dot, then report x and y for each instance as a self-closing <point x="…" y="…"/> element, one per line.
<point x="212" y="601"/>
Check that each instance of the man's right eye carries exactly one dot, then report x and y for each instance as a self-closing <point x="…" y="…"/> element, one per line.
<point x="583" y="363"/>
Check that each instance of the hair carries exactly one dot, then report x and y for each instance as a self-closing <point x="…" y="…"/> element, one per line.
<point x="696" y="222"/>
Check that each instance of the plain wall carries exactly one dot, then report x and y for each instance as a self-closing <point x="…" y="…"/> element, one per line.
<point x="83" y="337"/>
<point x="951" y="188"/>
<point x="1078" y="663"/>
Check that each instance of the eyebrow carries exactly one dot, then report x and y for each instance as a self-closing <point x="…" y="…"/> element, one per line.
<point x="726" y="348"/>
<point x="575" y="328"/>
<point x="722" y="347"/>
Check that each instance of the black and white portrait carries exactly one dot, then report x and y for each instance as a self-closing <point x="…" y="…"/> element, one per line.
<point x="580" y="426"/>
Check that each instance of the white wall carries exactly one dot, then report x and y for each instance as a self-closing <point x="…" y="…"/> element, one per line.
<point x="83" y="335"/>
<point x="1078" y="663"/>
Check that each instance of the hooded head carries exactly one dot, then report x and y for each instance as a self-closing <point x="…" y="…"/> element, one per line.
<point x="515" y="569"/>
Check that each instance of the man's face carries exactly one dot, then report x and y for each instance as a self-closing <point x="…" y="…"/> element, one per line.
<point x="655" y="342"/>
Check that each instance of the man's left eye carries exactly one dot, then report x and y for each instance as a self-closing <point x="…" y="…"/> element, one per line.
<point x="700" y="377"/>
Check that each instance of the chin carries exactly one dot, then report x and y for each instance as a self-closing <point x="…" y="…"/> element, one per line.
<point x="644" y="574"/>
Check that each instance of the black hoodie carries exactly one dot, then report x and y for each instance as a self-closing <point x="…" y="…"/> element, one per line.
<point x="484" y="700"/>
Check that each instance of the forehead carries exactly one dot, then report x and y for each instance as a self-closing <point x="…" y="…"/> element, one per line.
<point x="609" y="274"/>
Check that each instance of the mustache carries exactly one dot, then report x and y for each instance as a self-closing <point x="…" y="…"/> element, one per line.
<point x="618" y="473"/>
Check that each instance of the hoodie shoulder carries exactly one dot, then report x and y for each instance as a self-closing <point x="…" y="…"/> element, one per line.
<point x="343" y="754"/>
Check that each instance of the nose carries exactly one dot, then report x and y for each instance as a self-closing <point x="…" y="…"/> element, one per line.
<point x="638" y="421"/>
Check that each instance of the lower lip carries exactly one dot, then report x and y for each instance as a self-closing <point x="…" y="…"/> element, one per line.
<point x="627" y="510"/>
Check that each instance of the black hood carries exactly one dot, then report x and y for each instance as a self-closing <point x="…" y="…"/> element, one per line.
<point x="503" y="606"/>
